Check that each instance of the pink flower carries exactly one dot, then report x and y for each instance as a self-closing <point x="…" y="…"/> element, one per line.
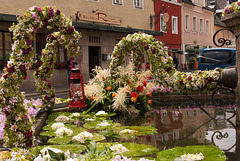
<point x="38" y="8"/>
<point x="50" y="12"/>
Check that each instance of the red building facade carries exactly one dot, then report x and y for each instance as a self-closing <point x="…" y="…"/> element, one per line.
<point x="167" y="19"/>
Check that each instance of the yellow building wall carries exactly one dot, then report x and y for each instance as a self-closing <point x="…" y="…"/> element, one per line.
<point x="131" y="17"/>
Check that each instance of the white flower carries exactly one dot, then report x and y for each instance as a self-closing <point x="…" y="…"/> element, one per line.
<point x="57" y="126"/>
<point x="101" y="113"/>
<point x="89" y="119"/>
<point x="76" y="114"/>
<point x="60" y="132"/>
<point x="192" y="157"/>
<point x="39" y="158"/>
<point x="23" y="151"/>
<point x="10" y="64"/>
<point x="119" y="148"/>
<point x="82" y="136"/>
<point x="128" y="131"/>
<point x="13" y="127"/>
<point x="44" y="151"/>
<point x="14" y="75"/>
<point x="103" y="124"/>
<point x="70" y="159"/>
<point x="62" y="119"/>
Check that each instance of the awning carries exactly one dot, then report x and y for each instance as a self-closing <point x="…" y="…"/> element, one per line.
<point x="91" y="26"/>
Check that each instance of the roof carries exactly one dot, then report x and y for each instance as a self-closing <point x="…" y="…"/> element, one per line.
<point x="217" y="21"/>
<point x="188" y="1"/>
<point x="91" y="26"/>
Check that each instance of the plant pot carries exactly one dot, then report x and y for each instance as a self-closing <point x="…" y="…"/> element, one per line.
<point x="232" y="21"/>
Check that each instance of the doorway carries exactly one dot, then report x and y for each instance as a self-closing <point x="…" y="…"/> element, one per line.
<point x="94" y="58"/>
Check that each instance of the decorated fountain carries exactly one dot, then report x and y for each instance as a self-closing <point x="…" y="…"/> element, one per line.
<point x="121" y="89"/>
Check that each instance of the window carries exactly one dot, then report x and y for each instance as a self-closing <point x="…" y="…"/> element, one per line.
<point x="5" y="46"/>
<point x="194" y="24"/>
<point x="40" y="44"/>
<point x="219" y="55"/>
<point x="174" y="25"/>
<point x="187" y="23"/>
<point x="138" y="4"/>
<point x="118" y="2"/>
<point x="207" y="27"/>
<point x="199" y="2"/>
<point x="201" y="25"/>
<point x="206" y="3"/>
<point x="162" y="24"/>
<point x="8" y="44"/>
<point x="94" y="39"/>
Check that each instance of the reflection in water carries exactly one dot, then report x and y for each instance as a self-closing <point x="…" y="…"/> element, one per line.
<point x="190" y="126"/>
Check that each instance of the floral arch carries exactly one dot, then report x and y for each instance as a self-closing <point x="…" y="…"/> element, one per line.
<point x="138" y="44"/>
<point x="18" y="126"/>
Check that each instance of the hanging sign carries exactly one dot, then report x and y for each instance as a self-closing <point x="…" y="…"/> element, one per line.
<point x="98" y="16"/>
<point x="165" y="17"/>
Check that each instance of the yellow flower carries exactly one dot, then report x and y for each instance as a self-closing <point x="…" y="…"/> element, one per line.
<point x="134" y="99"/>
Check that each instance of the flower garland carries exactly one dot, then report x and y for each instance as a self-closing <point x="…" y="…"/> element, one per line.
<point x="138" y="44"/>
<point x="18" y="125"/>
<point x="234" y="7"/>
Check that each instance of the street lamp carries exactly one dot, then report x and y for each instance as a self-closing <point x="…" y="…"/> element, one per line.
<point x="76" y="90"/>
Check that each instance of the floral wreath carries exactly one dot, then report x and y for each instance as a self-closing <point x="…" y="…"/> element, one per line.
<point x="234" y="7"/>
<point x="18" y="127"/>
<point x="138" y="44"/>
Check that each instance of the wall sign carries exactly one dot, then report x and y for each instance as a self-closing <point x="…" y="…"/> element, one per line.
<point x="98" y="16"/>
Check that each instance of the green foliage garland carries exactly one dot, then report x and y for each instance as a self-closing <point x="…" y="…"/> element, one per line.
<point x="138" y="44"/>
<point x="18" y="127"/>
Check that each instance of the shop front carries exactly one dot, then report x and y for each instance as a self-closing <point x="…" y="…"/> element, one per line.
<point x="96" y="46"/>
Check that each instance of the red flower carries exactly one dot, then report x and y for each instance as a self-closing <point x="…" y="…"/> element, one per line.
<point x="181" y="81"/>
<point x="29" y="134"/>
<point x="168" y="69"/>
<point x="210" y="79"/>
<point x="140" y="88"/>
<point x="144" y="83"/>
<point x="149" y="94"/>
<point x="134" y="94"/>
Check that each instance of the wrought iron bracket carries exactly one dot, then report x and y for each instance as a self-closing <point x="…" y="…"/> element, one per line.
<point x="221" y="41"/>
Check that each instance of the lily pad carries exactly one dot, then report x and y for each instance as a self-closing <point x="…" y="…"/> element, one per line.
<point x="54" y="115"/>
<point x="75" y="148"/>
<point x="94" y="125"/>
<point x="209" y="152"/>
<point x="135" y="150"/>
<point x="67" y="139"/>
<point x="140" y="130"/>
<point x="76" y="130"/>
